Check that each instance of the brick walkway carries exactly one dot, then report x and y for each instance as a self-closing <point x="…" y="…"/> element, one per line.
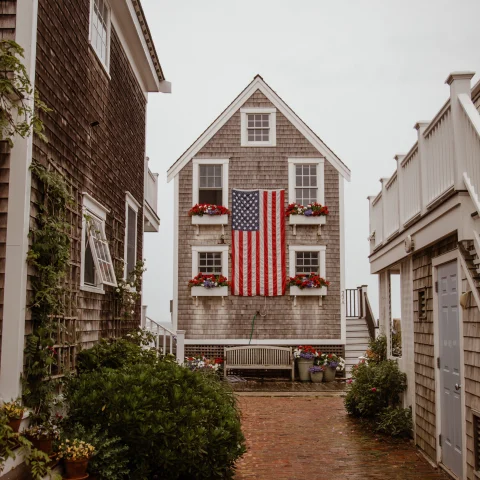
<point x="313" y="438"/>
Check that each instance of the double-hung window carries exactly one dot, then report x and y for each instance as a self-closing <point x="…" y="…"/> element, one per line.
<point x="100" y="30"/>
<point x="131" y="223"/>
<point x="210" y="181"/>
<point x="210" y="259"/>
<point x="258" y="127"/>
<point x="306" y="181"/>
<point x="97" y="266"/>
<point x="305" y="259"/>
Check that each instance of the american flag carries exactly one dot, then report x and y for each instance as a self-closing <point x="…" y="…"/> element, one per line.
<point x="258" y="242"/>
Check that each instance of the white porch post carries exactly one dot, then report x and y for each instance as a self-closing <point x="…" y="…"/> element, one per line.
<point x="384" y="298"/>
<point x="370" y="216"/>
<point x="401" y="215"/>
<point x="423" y="170"/>
<point x="459" y="83"/>
<point x="14" y="313"/>
<point x="144" y="316"/>
<point x="181" y="347"/>
<point x="384" y="182"/>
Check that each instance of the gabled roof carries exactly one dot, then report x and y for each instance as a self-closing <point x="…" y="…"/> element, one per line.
<point x="258" y="84"/>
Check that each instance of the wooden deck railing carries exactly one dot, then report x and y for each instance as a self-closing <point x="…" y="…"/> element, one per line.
<point x="446" y="158"/>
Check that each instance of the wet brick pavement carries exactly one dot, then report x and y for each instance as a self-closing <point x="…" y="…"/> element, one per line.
<point x="313" y="438"/>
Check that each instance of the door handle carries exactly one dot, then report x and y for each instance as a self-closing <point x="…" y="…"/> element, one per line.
<point x="457" y="386"/>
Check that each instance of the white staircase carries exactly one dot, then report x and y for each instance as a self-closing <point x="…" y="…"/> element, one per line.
<point x="360" y="326"/>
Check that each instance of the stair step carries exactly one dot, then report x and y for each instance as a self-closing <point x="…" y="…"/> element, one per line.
<point x="356" y="321"/>
<point x="476" y="261"/>
<point x="472" y="252"/>
<point x="356" y="328"/>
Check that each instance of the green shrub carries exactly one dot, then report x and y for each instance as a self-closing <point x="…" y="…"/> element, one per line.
<point x="395" y="421"/>
<point x="110" y="461"/>
<point x="177" y="424"/>
<point x="375" y="386"/>
<point x="116" y="353"/>
<point x="377" y="349"/>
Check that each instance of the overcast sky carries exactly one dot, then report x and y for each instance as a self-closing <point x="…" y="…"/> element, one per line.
<point x="360" y="73"/>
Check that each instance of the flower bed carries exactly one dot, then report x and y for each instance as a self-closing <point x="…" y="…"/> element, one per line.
<point x="209" y="286"/>
<point x="200" y="362"/>
<point x="307" y="280"/>
<point x="207" y="209"/>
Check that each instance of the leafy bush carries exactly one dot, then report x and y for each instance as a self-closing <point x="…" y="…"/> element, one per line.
<point x="375" y="386"/>
<point x="110" y="461"/>
<point x="377" y="349"/>
<point x="177" y="424"/>
<point x="117" y="353"/>
<point x="395" y="421"/>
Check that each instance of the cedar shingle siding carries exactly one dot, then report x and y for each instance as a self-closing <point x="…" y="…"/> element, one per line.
<point x="252" y="168"/>
<point x="424" y="346"/>
<point x="104" y="161"/>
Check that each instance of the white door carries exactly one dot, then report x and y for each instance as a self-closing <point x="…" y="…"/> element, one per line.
<point x="450" y="388"/>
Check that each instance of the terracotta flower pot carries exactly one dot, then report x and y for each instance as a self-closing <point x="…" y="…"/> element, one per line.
<point x="44" y="444"/>
<point x="316" y="377"/>
<point x="76" y="469"/>
<point x="303" y="365"/>
<point x="329" y="374"/>
<point x="14" y="424"/>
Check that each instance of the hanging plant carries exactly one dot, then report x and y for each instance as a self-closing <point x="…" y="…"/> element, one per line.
<point x="17" y="115"/>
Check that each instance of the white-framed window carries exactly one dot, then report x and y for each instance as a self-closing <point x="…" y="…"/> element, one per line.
<point x="100" y="28"/>
<point x="131" y="224"/>
<point x="210" y="181"/>
<point x="258" y="127"/>
<point x="210" y="259"/>
<point x="307" y="259"/>
<point x="306" y="180"/>
<point x="96" y="266"/>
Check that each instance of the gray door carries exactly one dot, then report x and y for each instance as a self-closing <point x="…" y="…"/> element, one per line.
<point x="450" y="387"/>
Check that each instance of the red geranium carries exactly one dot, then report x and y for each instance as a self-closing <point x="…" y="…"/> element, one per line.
<point x="201" y="209"/>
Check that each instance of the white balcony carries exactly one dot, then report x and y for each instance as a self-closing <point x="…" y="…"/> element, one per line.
<point x="151" y="218"/>
<point x="443" y="161"/>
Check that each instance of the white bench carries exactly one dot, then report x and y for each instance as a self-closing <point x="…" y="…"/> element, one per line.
<point x="258" y="357"/>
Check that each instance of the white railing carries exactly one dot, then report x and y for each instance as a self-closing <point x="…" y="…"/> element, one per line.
<point x="411" y="185"/>
<point x="376" y="220"/>
<point x="166" y="341"/>
<point x="390" y="194"/>
<point x="471" y="126"/>
<point x="151" y="187"/>
<point x="446" y="158"/>
<point x="439" y="154"/>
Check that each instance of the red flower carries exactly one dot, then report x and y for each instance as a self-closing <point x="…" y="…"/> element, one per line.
<point x="374" y="389"/>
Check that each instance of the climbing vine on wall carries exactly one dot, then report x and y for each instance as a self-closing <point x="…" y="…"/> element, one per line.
<point x="17" y="116"/>
<point x="49" y="255"/>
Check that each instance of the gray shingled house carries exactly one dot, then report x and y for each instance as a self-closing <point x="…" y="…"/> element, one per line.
<point x="259" y="144"/>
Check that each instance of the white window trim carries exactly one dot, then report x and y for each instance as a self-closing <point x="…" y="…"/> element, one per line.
<point x="292" y="163"/>
<point x="196" y="177"/>
<point x="105" y="65"/>
<point x="293" y="249"/>
<point x="196" y="249"/>
<point x="90" y="206"/>
<point x="272" y="125"/>
<point x="131" y="202"/>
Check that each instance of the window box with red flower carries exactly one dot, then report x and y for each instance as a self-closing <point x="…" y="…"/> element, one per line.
<point x="308" y="284"/>
<point x="209" y="285"/>
<point x="312" y="214"/>
<point x="209" y="214"/>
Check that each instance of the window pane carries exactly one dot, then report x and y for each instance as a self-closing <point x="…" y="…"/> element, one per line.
<point x="210" y="196"/>
<point x="210" y="263"/>
<point x="131" y="239"/>
<point x="89" y="266"/>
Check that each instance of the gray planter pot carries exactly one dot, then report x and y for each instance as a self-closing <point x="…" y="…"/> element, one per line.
<point x="303" y="365"/>
<point x="329" y="375"/>
<point x="316" y="377"/>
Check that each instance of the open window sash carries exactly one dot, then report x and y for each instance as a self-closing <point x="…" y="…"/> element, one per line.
<point x="100" y="251"/>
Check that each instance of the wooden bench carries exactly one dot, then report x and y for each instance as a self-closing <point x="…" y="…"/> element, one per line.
<point x="258" y="357"/>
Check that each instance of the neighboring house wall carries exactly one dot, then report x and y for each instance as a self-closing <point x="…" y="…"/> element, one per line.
<point x="105" y="161"/>
<point x="8" y="10"/>
<point x="259" y="168"/>
<point x="425" y="422"/>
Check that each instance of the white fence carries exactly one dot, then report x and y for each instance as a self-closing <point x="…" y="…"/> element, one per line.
<point x="445" y="158"/>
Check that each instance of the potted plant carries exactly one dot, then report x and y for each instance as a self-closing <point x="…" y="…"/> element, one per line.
<point x="333" y="363"/>
<point x="305" y="355"/>
<point x="43" y="434"/>
<point x="316" y="373"/>
<point x="209" y="285"/>
<point x="14" y="412"/>
<point x="209" y="214"/>
<point x="76" y="454"/>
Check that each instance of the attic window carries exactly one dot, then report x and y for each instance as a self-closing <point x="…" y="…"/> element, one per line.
<point x="258" y="127"/>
